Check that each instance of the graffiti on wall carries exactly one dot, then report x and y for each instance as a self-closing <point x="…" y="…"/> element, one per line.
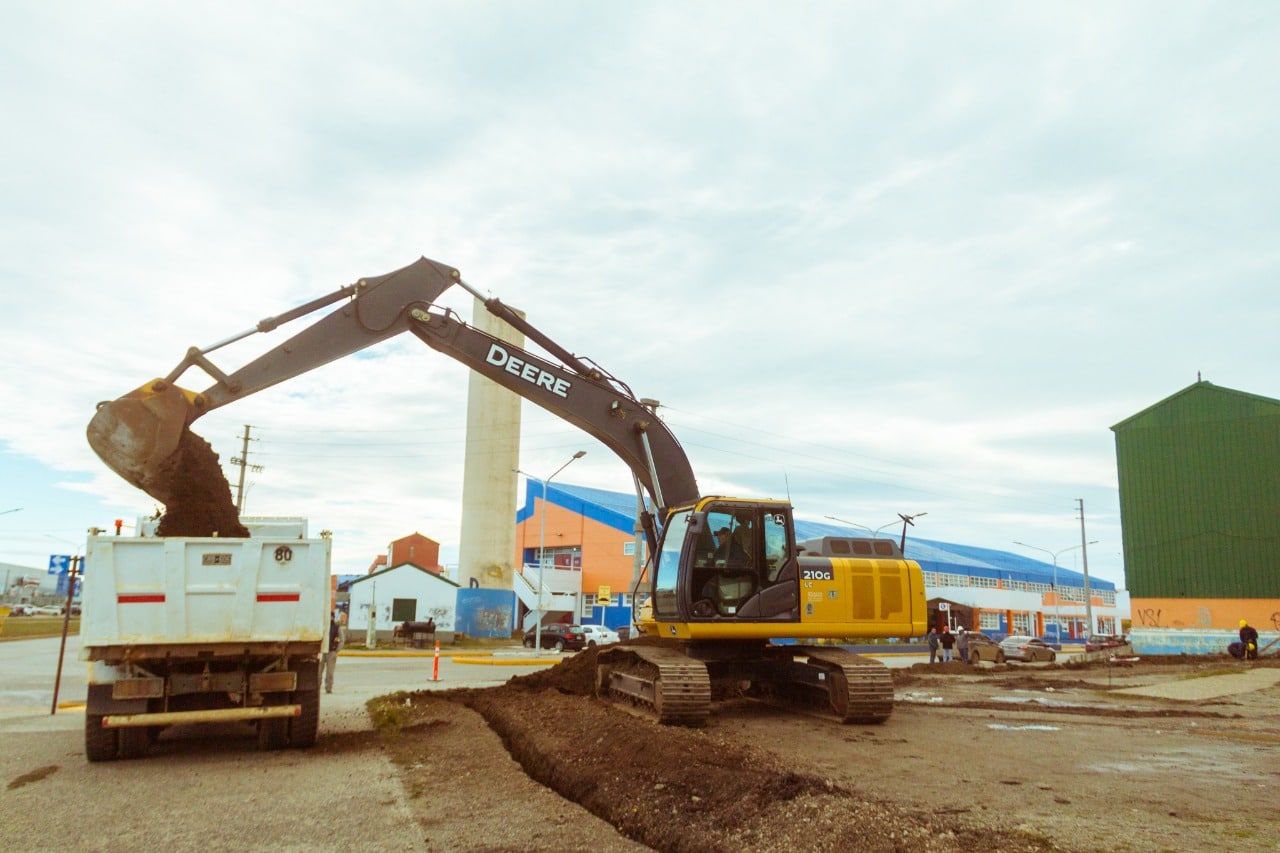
<point x="485" y="612"/>
<point x="1147" y="617"/>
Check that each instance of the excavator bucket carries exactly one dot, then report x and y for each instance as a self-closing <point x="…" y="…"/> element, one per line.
<point x="138" y="435"/>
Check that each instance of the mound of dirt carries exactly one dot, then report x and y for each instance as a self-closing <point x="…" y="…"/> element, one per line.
<point x="200" y="497"/>
<point x="680" y="789"/>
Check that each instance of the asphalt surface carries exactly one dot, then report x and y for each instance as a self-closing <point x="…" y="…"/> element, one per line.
<point x="208" y="787"/>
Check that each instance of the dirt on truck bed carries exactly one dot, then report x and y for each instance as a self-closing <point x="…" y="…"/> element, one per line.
<point x="993" y="758"/>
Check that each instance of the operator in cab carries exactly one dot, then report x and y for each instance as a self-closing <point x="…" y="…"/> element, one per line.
<point x="728" y="552"/>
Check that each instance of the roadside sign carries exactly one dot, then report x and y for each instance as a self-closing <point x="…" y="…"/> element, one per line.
<point x="59" y="563"/>
<point x="62" y="584"/>
<point x="943" y="605"/>
<point x="603" y="596"/>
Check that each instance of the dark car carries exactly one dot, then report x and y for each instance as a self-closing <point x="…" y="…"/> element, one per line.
<point x="1098" y="642"/>
<point x="983" y="648"/>
<point x="558" y="637"/>
<point x="1029" y="649"/>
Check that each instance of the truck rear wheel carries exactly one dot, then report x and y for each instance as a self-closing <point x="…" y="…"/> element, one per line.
<point x="100" y="744"/>
<point x="304" y="727"/>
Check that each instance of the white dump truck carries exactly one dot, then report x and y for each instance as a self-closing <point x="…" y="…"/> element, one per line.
<point x="184" y="630"/>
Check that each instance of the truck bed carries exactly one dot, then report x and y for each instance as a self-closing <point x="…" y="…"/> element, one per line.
<point x="146" y="595"/>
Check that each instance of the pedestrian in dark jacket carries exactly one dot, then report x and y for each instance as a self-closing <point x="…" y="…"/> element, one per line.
<point x="933" y="644"/>
<point x="947" y="640"/>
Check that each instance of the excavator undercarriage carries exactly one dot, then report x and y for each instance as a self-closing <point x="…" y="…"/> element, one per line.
<point x="675" y="684"/>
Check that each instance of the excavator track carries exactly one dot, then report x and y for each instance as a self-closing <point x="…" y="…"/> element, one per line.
<point x="666" y="684"/>
<point x="858" y="689"/>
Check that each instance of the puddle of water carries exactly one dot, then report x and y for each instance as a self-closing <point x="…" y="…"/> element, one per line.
<point x="917" y="698"/>
<point x="1001" y="727"/>
<point x="1054" y="703"/>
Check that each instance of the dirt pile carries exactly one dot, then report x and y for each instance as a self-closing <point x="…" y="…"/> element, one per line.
<point x="199" y="495"/>
<point x="679" y="789"/>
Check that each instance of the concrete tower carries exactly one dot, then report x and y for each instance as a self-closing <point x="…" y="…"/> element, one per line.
<point x="487" y="542"/>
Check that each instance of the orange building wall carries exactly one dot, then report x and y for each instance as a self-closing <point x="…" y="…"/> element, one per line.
<point x="1211" y="613"/>
<point x="603" y="563"/>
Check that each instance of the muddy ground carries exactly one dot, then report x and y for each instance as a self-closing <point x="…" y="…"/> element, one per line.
<point x="1002" y="758"/>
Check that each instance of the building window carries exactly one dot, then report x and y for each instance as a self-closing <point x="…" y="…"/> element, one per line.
<point x="588" y="603"/>
<point x="988" y="620"/>
<point x="404" y="609"/>
<point x="567" y="559"/>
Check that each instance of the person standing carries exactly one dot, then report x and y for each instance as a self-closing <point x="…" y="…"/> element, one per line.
<point x="933" y="644"/>
<point x="962" y="644"/>
<point x="331" y="656"/>
<point x="947" y="641"/>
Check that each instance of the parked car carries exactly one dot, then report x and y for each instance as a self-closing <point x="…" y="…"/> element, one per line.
<point x="628" y="632"/>
<point x="599" y="635"/>
<point x="44" y="611"/>
<point x="557" y="636"/>
<point x="983" y="648"/>
<point x="1028" y="649"/>
<point x="1098" y="642"/>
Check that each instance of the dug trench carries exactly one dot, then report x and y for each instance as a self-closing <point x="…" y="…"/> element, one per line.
<point x="965" y="774"/>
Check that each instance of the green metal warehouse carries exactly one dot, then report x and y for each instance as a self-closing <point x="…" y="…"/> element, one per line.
<point x="1199" y="476"/>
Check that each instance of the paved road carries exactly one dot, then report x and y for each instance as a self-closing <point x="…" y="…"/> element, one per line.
<point x="205" y="787"/>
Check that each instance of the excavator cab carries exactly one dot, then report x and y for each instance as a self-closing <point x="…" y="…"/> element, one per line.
<point x="725" y="561"/>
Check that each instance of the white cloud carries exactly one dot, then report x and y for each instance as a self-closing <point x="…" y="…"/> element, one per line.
<point x="890" y="259"/>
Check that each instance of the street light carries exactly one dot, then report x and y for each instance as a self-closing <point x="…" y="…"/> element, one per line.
<point x="850" y="523"/>
<point x="875" y="534"/>
<point x="542" y="548"/>
<point x="1057" y="598"/>
<point x="907" y="519"/>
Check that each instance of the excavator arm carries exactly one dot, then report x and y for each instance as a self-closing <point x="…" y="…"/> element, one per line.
<point x="138" y="434"/>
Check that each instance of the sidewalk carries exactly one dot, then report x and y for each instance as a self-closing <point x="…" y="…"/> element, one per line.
<point x="1209" y="687"/>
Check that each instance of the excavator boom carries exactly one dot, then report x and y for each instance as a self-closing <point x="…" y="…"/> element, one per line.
<point x="139" y="434"/>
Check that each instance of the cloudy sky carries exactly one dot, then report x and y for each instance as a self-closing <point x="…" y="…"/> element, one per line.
<point x="879" y="257"/>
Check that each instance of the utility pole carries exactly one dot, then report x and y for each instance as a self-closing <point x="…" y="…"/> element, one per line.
<point x="243" y="461"/>
<point x="1084" y="563"/>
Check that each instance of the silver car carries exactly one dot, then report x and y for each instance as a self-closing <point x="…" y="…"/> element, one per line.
<point x="1027" y="649"/>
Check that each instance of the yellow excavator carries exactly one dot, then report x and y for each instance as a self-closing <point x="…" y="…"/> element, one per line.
<point x="738" y="599"/>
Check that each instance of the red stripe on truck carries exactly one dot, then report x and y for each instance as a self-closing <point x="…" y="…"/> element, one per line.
<point x="278" y="596"/>
<point x="141" y="598"/>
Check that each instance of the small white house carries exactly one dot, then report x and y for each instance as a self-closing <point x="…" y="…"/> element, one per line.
<point x="402" y="593"/>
